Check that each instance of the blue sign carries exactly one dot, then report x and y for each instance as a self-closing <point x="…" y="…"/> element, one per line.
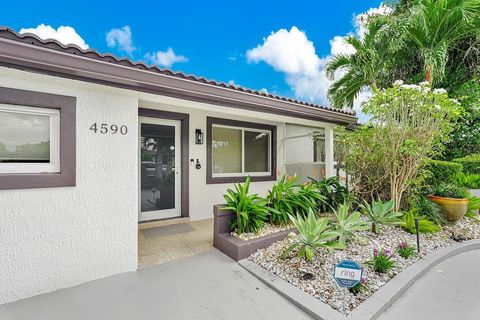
<point x="348" y="274"/>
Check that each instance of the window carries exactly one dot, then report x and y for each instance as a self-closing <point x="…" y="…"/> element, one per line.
<point x="37" y="140"/>
<point x="239" y="149"/>
<point x="29" y="139"/>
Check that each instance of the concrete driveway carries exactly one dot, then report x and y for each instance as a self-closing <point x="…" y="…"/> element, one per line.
<point x="205" y="286"/>
<point x="451" y="290"/>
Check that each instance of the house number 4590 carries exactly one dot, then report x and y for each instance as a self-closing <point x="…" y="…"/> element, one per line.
<point x="105" y="128"/>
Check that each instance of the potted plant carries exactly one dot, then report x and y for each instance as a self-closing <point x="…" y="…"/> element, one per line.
<point x="452" y="198"/>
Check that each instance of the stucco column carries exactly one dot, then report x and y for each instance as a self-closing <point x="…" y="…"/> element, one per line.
<point x="329" y="165"/>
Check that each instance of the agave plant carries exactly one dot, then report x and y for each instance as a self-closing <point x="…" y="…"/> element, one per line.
<point x="347" y="224"/>
<point x="313" y="234"/>
<point x="250" y="210"/>
<point x="381" y="213"/>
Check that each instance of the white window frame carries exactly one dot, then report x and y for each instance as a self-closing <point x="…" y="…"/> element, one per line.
<point x="243" y="173"/>
<point x="54" y="165"/>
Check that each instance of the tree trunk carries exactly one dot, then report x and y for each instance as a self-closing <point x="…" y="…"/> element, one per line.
<point x="429" y="74"/>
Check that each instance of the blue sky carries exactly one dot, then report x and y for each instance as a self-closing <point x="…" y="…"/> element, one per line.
<point x="211" y="38"/>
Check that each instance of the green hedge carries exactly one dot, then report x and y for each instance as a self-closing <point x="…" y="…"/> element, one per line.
<point x="442" y="172"/>
<point x="470" y="163"/>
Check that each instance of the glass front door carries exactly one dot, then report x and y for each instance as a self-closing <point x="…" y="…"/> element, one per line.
<point x="160" y="170"/>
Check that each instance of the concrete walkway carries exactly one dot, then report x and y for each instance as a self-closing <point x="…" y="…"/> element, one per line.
<point x="451" y="290"/>
<point x="205" y="286"/>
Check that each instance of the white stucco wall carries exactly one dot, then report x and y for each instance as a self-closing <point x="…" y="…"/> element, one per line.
<point x="59" y="237"/>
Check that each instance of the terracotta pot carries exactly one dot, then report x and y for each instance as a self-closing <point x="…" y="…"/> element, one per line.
<point x="454" y="209"/>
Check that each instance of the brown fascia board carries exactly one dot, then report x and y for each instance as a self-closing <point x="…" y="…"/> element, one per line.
<point x="26" y="56"/>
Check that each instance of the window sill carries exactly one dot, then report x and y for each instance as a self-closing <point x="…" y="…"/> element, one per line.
<point x="219" y="180"/>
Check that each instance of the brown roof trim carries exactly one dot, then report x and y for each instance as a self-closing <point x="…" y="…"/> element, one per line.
<point x="27" y="51"/>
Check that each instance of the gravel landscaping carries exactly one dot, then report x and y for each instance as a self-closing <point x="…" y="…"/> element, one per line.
<point x="267" y="229"/>
<point x="322" y="286"/>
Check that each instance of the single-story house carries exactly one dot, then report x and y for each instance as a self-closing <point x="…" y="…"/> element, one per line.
<point x="91" y="145"/>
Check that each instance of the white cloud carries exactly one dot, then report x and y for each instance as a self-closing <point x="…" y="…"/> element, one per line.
<point x="287" y="51"/>
<point x="64" y="34"/>
<point x="165" y="58"/>
<point x="360" y="20"/>
<point x="121" y="38"/>
<point x="339" y="46"/>
<point x="292" y="53"/>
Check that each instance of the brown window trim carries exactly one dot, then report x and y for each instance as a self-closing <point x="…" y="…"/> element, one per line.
<point x="184" y="140"/>
<point x="67" y="106"/>
<point x="273" y="165"/>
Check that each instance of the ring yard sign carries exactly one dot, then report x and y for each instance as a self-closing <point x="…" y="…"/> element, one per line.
<point x="348" y="273"/>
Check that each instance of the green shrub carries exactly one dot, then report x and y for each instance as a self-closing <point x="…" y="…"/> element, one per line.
<point x="448" y="190"/>
<point x="281" y="201"/>
<point x="473" y="207"/>
<point x="250" y="210"/>
<point x="333" y="191"/>
<point x="288" y="198"/>
<point x="441" y="172"/>
<point x="470" y="163"/>
<point x="470" y="181"/>
<point x="313" y="234"/>
<point x="424" y="225"/>
<point x="431" y="210"/>
<point x="307" y="197"/>
<point x="380" y="213"/>
<point x="347" y="224"/>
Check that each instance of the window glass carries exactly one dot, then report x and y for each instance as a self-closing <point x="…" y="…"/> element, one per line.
<point x="256" y="151"/>
<point x="24" y="137"/>
<point x="226" y="150"/>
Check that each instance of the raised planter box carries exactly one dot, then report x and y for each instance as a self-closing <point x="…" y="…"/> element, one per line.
<point x="236" y="248"/>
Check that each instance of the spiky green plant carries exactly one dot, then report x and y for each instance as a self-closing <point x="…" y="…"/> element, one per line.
<point x="308" y="197"/>
<point x="381" y="213"/>
<point x="250" y="210"/>
<point x="313" y="234"/>
<point x="473" y="208"/>
<point x="281" y="201"/>
<point x="430" y="210"/>
<point x="424" y="225"/>
<point x="347" y="225"/>
<point x="287" y="197"/>
<point x="333" y="192"/>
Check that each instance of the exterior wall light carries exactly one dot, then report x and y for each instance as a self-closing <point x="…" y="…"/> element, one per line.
<point x="198" y="136"/>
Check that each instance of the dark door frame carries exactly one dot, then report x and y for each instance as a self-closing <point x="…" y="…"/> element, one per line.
<point x="184" y="130"/>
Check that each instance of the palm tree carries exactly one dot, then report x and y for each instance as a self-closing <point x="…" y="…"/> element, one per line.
<point x="437" y="26"/>
<point x="359" y="70"/>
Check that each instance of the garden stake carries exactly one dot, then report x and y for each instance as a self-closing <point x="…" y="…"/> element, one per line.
<point x="344" y="298"/>
<point x="418" y="237"/>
